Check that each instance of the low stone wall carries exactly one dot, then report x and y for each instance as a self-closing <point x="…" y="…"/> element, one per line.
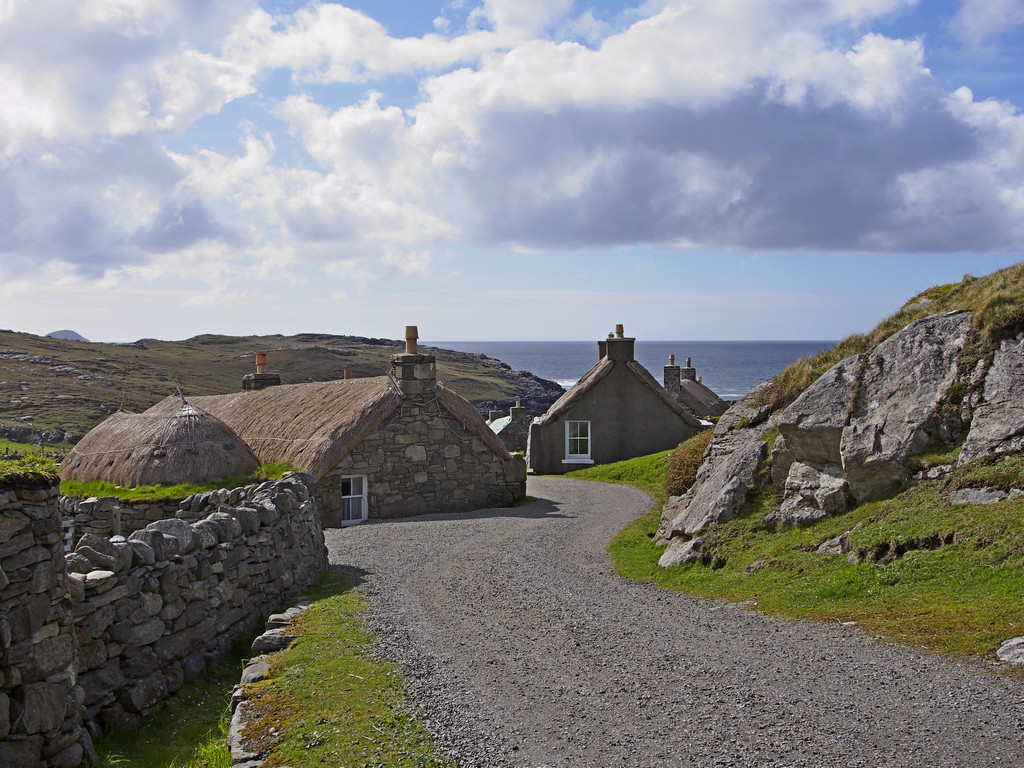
<point x="110" y="630"/>
<point x="109" y="516"/>
<point x="153" y="609"/>
<point x="40" y="703"/>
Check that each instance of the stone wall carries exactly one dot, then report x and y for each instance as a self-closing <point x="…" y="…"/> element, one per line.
<point x="424" y="461"/>
<point x="115" y="627"/>
<point x="40" y="703"/>
<point x="109" y="516"/>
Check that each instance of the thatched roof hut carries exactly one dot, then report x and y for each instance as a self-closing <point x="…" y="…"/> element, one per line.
<point x="183" y="444"/>
<point x="315" y="426"/>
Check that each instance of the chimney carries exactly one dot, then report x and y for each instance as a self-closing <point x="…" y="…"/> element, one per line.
<point x="517" y="412"/>
<point x="672" y="376"/>
<point x="261" y="379"/>
<point x="689" y="372"/>
<point x="494" y="414"/>
<point x="619" y="346"/>
<point x="416" y="374"/>
<point x="347" y="373"/>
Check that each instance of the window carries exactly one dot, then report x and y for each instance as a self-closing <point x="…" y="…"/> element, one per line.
<point x="577" y="442"/>
<point x="353" y="500"/>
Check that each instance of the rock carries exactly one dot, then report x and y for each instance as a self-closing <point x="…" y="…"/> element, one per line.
<point x="895" y="416"/>
<point x="185" y="535"/>
<point x="812" y="492"/>
<point x="1012" y="651"/>
<point x="240" y="751"/>
<point x="835" y="546"/>
<point x="163" y="547"/>
<point x="43" y="707"/>
<point x="813" y="424"/>
<point x="680" y="552"/>
<point x="273" y="640"/>
<point x="781" y="460"/>
<point x="255" y="669"/>
<point x="721" y="488"/>
<point x="983" y="495"/>
<point x="998" y="424"/>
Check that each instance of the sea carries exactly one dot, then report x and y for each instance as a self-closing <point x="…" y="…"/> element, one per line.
<point x="730" y="368"/>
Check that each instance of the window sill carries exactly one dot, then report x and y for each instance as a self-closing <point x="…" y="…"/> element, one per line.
<point x="577" y="461"/>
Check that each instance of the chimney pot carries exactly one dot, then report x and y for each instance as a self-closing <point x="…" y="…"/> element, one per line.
<point x="619" y="331"/>
<point x="411" y="336"/>
<point x="671" y="359"/>
<point x="347" y="373"/>
<point x="261" y="362"/>
<point x="688" y="363"/>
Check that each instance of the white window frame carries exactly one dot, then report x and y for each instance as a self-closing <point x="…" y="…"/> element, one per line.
<point x="577" y="458"/>
<point x="362" y="497"/>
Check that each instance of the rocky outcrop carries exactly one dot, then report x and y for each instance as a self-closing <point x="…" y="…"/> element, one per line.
<point x="850" y="436"/>
<point x="998" y="424"/>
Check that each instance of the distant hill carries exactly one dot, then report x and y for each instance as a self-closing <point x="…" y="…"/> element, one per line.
<point x="51" y="385"/>
<point x="67" y="336"/>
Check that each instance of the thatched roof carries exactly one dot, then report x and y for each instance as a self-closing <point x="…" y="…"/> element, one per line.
<point x="700" y="399"/>
<point x="184" y="444"/>
<point x="599" y="372"/>
<point x="315" y="426"/>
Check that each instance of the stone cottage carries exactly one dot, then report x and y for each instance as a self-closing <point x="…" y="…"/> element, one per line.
<point x="513" y="429"/>
<point x="685" y="385"/>
<point x="378" y="447"/>
<point x="615" y="412"/>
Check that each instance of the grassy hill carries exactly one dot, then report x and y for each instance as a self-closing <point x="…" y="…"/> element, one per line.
<point x="56" y="385"/>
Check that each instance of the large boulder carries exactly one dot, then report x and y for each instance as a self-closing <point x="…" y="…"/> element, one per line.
<point x="812" y="492"/>
<point x="998" y="424"/>
<point x="904" y="380"/>
<point x="722" y="483"/>
<point x="813" y="425"/>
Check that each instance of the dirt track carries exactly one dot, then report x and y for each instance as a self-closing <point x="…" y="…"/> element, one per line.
<point x="525" y="649"/>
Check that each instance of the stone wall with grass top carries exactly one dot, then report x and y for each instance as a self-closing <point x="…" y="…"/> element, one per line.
<point x="110" y="630"/>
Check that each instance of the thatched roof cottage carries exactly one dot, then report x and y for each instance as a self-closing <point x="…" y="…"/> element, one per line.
<point x="183" y="441"/>
<point x="385" y="446"/>
<point x="618" y="410"/>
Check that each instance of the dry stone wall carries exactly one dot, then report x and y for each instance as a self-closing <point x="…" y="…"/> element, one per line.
<point x="40" y="702"/>
<point x="110" y="630"/>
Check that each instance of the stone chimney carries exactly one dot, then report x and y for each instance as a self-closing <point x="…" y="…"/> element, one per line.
<point x="416" y="374"/>
<point x="494" y="414"/>
<point x="672" y="376"/>
<point x="689" y="372"/>
<point x="517" y="412"/>
<point x="619" y="346"/>
<point x="261" y="379"/>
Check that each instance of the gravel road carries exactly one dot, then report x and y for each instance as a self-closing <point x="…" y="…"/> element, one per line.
<point x="525" y="649"/>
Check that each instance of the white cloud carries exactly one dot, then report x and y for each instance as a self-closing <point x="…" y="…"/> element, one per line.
<point x="979" y="22"/>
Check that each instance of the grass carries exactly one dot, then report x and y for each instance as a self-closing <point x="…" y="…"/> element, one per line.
<point x="645" y="472"/>
<point x="33" y="469"/>
<point x="946" y="578"/>
<point x="83" y="490"/>
<point x="327" y="701"/>
<point x="189" y="732"/>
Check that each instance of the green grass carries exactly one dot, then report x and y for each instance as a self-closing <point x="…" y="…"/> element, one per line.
<point x="329" y="702"/>
<point x="83" y="490"/>
<point x="31" y="469"/>
<point x="644" y="472"/>
<point x="189" y="732"/>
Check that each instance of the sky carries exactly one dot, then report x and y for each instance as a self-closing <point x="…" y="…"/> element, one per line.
<point x="502" y="169"/>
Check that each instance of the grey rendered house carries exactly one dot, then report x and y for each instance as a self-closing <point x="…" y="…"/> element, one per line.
<point x="618" y="410"/>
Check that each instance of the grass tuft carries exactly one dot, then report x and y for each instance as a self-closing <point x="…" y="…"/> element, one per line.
<point x="683" y="463"/>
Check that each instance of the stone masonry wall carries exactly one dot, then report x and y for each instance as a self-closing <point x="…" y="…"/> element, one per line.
<point x="108" y="516"/>
<point x="40" y="703"/>
<point x="153" y="609"/>
<point x="112" y="629"/>
<point x="417" y="464"/>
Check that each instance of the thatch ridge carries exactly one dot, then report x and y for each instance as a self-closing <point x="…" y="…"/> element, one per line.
<point x="470" y="417"/>
<point x="701" y="399"/>
<point x="600" y="369"/>
<point x="186" y="444"/>
<point x="645" y="378"/>
<point x="313" y="426"/>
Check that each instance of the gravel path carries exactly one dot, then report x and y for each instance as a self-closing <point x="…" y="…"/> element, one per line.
<point x="525" y="649"/>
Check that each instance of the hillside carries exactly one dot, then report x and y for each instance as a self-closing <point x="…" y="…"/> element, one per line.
<point x="53" y="386"/>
